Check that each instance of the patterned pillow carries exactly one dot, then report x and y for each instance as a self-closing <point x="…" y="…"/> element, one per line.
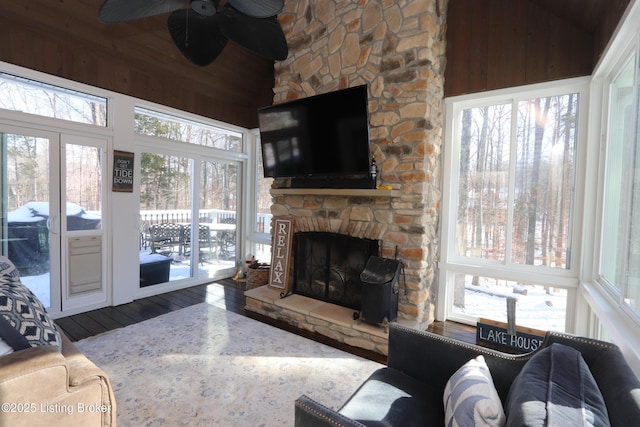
<point x="24" y="322"/>
<point x="470" y="397"/>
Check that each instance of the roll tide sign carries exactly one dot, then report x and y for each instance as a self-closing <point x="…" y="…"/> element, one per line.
<point x="281" y="253"/>
<point x="122" y="172"/>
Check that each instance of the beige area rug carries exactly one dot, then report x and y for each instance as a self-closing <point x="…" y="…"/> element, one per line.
<point x="205" y="366"/>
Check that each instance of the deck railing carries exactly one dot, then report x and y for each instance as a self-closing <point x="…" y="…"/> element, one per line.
<point x="151" y="217"/>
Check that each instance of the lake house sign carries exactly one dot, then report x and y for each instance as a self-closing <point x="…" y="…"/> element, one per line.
<point x="497" y="333"/>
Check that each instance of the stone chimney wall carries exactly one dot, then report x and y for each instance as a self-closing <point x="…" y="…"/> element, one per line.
<point x="397" y="48"/>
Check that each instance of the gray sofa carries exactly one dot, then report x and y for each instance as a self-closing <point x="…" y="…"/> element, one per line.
<point x="410" y="390"/>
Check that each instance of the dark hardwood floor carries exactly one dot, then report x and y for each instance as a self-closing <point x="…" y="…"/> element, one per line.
<point x="227" y="294"/>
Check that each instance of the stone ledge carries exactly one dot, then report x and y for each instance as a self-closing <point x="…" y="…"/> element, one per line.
<point x="336" y="192"/>
<point x="324" y="318"/>
<point x="298" y="303"/>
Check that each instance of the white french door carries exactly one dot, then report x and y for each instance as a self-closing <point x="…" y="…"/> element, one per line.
<point x="52" y="222"/>
<point x="30" y="225"/>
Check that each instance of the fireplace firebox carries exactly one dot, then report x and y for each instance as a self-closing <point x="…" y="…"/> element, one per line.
<point x="327" y="266"/>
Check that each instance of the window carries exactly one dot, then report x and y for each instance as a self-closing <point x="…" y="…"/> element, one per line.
<point x="620" y="256"/>
<point x="34" y="97"/>
<point x="153" y="123"/>
<point x="512" y="176"/>
<point x="189" y="203"/>
<point x="262" y="231"/>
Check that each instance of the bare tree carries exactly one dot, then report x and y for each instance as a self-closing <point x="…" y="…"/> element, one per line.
<point x="463" y="204"/>
<point x="541" y="113"/>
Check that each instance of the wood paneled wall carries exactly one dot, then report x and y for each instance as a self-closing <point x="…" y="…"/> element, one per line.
<point x="608" y="23"/>
<point x="494" y="44"/>
<point x="138" y="59"/>
<point x="491" y="44"/>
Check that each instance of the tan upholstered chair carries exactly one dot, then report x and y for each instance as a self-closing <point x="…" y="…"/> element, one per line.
<point x="41" y="386"/>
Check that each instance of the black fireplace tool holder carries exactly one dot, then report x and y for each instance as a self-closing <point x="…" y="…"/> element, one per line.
<point x="380" y="288"/>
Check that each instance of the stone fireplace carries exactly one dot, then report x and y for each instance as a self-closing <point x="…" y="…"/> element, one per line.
<point x="397" y="49"/>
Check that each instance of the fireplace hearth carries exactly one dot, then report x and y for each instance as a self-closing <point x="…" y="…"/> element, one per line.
<point x="327" y="266"/>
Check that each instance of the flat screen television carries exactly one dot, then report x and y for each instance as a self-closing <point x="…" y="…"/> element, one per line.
<point x="322" y="136"/>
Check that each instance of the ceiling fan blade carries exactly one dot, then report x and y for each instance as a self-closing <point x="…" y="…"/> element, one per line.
<point x="198" y="37"/>
<point x="127" y="10"/>
<point x="258" y="8"/>
<point x="263" y="36"/>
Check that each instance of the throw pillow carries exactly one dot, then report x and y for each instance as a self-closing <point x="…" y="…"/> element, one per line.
<point x="556" y="388"/>
<point x="470" y="397"/>
<point x="25" y="322"/>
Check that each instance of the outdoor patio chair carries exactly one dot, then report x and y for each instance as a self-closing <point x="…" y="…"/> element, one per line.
<point x="204" y="242"/>
<point x="166" y="237"/>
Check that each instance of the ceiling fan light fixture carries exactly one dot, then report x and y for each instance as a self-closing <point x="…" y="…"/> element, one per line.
<point x="200" y="29"/>
<point x="205" y="7"/>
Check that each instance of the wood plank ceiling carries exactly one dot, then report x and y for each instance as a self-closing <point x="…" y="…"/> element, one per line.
<point x="586" y="14"/>
<point x="596" y="17"/>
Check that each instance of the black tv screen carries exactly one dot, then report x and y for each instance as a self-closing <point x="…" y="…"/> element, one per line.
<point x="324" y="135"/>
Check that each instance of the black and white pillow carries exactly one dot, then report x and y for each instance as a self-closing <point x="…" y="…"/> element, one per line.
<point x="24" y="322"/>
<point x="471" y="399"/>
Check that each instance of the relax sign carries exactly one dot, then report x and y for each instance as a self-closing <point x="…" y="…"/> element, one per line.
<point x="280" y="253"/>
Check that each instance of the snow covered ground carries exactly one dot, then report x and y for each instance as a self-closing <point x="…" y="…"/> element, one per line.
<point x="180" y="269"/>
<point x="537" y="309"/>
<point x="39" y="285"/>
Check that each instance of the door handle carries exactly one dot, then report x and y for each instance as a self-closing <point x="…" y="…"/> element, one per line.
<point x="52" y="224"/>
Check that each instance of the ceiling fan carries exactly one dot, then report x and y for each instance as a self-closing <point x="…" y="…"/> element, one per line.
<point x="201" y="28"/>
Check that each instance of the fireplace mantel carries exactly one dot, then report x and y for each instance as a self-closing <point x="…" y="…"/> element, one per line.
<point x="335" y="192"/>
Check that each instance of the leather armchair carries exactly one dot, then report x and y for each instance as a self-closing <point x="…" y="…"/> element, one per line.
<point x="41" y="386"/>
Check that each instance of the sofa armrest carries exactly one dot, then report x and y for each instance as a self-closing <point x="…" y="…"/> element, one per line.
<point x="309" y="413"/>
<point x="49" y="387"/>
<point x="617" y="382"/>
<point x="619" y="386"/>
<point x="81" y="369"/>
<point x="29" y="360"/>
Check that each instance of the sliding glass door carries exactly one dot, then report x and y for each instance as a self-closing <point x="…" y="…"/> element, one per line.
<point x="218" y="214"/>
<point x="188" y="213"/>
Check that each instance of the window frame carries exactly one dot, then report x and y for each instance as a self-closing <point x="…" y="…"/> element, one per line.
<point x="56" y="87"/>
<point x="602" y="312"/>
<point x="606" y="299"/>
<point x="450" y="263"/>
<point x="258" y="242"/>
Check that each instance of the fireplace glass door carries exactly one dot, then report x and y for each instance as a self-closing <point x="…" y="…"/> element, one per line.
<point x="327" y="266"/>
